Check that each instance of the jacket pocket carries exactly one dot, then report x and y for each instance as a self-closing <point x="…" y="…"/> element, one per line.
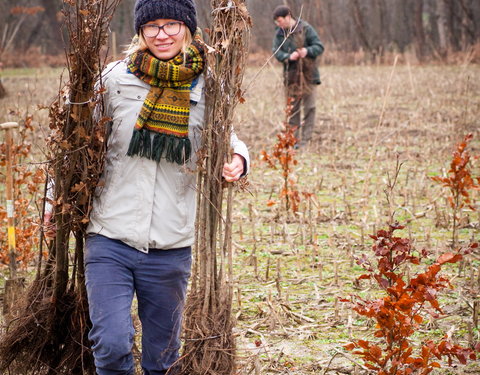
<point x="187" y="196"/>
<point x="128" y="91"/>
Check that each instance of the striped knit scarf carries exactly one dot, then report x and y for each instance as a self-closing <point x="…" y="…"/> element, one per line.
<point x="161" y="129"/>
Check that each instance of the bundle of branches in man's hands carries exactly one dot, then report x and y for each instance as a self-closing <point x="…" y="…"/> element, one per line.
<point x="50" y="334"/>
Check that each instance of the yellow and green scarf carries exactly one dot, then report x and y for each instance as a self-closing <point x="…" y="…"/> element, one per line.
<point x="161" y="130"/>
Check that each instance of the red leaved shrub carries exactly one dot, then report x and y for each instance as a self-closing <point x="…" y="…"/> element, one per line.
<point x="400" y="313"/>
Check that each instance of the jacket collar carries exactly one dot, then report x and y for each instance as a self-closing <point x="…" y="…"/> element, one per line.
<point x="197" y="88"/>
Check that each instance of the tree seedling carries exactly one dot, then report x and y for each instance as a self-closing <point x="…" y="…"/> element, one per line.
<point x="403" y="308"/>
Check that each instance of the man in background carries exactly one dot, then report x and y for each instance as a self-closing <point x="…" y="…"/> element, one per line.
<point x="296" y="44"/>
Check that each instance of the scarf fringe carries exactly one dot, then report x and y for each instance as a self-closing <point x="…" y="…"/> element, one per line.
<point x="173" y="149"/>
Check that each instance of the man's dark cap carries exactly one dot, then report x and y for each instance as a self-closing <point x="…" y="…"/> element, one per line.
<point x="281" y="11"/>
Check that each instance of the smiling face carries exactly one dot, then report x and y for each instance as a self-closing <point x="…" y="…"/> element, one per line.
<point x="164" y="46"/>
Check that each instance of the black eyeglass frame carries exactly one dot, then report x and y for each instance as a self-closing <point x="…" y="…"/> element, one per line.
<point x="179" y="23"/>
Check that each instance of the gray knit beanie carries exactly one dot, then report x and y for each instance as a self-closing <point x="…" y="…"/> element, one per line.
<point x="151" y="10"/>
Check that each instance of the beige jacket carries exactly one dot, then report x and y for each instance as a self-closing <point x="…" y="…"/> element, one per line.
<point x="139" y="201"/>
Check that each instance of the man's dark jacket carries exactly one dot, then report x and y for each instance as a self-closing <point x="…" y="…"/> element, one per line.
<point x="304" y="35"/>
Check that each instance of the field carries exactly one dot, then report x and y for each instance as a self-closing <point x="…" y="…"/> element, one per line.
<point x="292" y="270"/>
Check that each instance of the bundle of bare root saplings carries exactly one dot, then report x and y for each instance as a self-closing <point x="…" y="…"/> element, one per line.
<point x="49" y="336"/>
<point x="209" y="343"/>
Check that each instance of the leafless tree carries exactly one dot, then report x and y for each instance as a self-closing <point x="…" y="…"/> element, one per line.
<point x="376" y="26"/>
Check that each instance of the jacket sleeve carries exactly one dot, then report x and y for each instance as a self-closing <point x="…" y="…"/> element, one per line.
<point x="104" y="88"/>
<point x="277" y="50"/>
<point x="312" y="42"/>
<point x="236" y="145"/>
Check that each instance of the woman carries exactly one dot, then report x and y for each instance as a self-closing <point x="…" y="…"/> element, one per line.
<point x="142" y="223"/>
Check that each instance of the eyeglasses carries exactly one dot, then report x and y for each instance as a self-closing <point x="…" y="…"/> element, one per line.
<point x="150" y="30"/>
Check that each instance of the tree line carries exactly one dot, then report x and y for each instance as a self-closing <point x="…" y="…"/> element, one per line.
<point x="426" y="28"/>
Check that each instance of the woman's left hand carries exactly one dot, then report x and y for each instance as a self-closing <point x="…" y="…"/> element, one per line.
<point x="233" y="171"/>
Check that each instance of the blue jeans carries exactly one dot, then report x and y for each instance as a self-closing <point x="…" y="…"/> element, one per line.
<point x="114" y="272"/>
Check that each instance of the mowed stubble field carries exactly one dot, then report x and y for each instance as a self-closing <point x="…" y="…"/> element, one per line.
<point x="291" y="270"/>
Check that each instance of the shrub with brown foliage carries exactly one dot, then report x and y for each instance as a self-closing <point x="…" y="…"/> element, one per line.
<point x="283" y="154"/>
<point x="27" y="183"/>
<point x="400" y="313"/>
<point x="460" y="183"/>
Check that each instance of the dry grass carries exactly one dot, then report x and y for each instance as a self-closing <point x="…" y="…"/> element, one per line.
<point x="31" y="91"/>
<point x="290" y="272"/>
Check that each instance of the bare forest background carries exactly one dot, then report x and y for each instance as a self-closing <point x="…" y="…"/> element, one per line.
<point x="353" y="31"/>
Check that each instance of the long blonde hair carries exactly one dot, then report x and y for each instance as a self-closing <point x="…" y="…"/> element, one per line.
<point x="139" y="44"/>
